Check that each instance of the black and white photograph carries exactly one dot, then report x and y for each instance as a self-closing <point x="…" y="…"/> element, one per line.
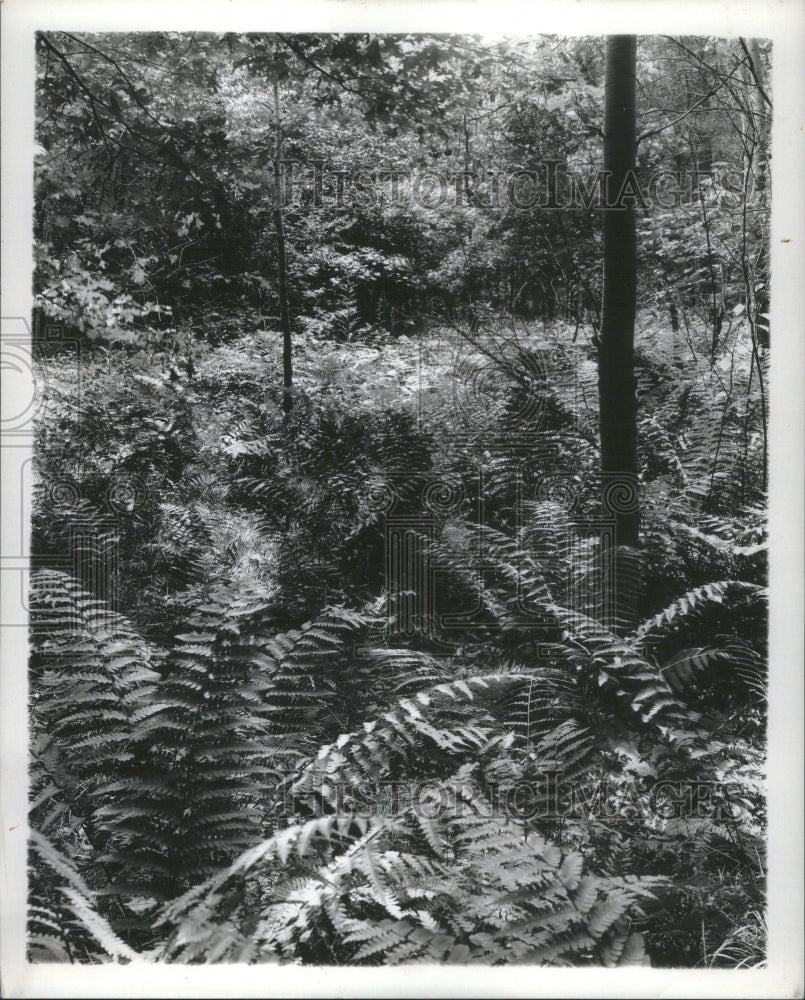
<point x="389" y="540"/>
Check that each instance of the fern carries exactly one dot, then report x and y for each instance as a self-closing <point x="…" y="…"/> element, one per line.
<point x="90" y="677"/>
<point x="698" y="603"/>
<point x="166" y="775"/>
<point x="321" y="673"/>
<point x="243" y="722"/>
<point x="205" y="740"/>
<point x="64" y="923"/>
<point x="729" y="663"/>
<point x="475" y="889"/>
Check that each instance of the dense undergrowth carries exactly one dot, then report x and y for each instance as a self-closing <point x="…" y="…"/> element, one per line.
<point x="342" y="688"/>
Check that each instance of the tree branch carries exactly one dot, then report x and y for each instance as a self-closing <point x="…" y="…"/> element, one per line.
<point x="754" y="73"/>
<point x="693" y="107"/>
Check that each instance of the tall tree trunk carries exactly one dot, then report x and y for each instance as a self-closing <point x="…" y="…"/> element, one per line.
<point x="754" y="241"/>
<point x="282" y="269"/>
<point x="616" y="379"/>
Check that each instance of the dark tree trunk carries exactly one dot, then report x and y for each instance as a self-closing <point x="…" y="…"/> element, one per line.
<point x="282" y="269"/>
<point x="616" y="379"/>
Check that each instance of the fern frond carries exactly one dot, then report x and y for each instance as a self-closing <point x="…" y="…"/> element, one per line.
<point x="64" y="922"/>
<point x="698" y="602"/>
<point x="505" y="893"/>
